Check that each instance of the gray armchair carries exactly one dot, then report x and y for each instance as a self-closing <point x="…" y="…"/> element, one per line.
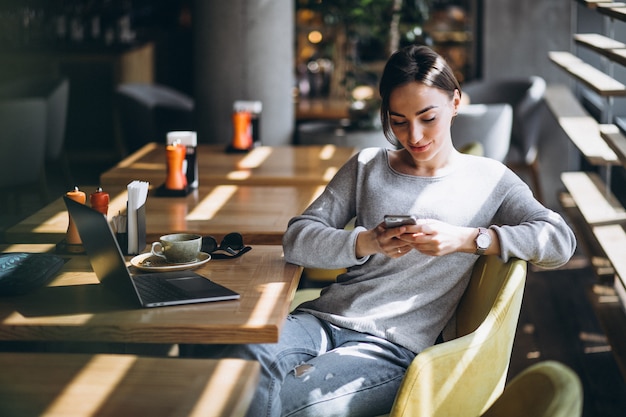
<point x="54" y="91"/>
<point x="486" y="124"/>
<point x="525" y="96"/>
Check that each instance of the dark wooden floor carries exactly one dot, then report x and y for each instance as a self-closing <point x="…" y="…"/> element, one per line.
<point x="557" y="320"/>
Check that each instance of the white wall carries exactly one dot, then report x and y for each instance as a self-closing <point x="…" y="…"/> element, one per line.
<point x="517" y="36"/>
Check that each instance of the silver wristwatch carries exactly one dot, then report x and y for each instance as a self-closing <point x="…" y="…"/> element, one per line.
<point x="483" y="240"/>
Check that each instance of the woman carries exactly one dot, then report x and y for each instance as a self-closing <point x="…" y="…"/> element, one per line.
<point x="345" y="353"/>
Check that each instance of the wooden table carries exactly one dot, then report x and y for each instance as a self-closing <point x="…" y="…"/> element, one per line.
<point x="75" y="308"/>
<point x="73" y="385"/>
<point x="265" y="165"/>
<point x="260" y="213"/>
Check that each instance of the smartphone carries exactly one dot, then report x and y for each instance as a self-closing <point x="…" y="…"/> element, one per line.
<point x="396" y="220"/>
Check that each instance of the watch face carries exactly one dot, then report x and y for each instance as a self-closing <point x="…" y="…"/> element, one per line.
<point x="483" y="241"/>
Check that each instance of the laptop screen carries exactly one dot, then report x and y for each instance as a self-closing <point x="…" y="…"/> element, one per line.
<point x="102" y="248"/>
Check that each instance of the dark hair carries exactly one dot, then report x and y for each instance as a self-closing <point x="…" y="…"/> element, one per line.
<point x="409" y="64"/>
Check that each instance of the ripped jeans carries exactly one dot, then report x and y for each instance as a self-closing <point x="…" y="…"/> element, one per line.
<point x="318" y="369"/>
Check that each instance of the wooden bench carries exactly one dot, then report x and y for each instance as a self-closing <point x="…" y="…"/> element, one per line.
<point x="81" y="385"/>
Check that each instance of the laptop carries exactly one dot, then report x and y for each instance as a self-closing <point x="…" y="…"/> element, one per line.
<point x="149" y="289"/>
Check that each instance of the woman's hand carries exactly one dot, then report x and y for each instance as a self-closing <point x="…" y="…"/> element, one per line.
<point x="430" y="237"/>
<point x="436" y="238"/>
<point x="383" y="240"/>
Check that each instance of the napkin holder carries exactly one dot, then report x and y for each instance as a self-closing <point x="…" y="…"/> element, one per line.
<point x="137" y="229"/>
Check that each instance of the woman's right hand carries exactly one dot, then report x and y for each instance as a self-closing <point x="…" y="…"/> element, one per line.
<point x="382" y="240"/>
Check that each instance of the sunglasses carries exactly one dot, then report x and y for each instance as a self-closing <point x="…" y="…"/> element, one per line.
<point x="231" y="246"/>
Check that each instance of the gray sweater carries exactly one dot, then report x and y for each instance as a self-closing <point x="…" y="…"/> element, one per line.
<point x="409" y="300"/>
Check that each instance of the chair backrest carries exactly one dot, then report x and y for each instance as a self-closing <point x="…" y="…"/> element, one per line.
<point x="525" y="96"/>
<point x="55" y="92"/>
<point x="545" y="389"/>
<point x="487" y="124"/>
<point x="22" y="141"/>
<point x="464" y="376"/>
<point x="58" y="102"/>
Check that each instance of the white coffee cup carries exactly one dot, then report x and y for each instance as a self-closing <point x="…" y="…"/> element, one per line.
<point x="178" y="248"/>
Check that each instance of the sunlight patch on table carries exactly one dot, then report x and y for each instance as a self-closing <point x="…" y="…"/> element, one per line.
<point x="327" y="152"/>
<point x="255" y="158"/>
<point x="330" y="173"/>
<point x="17" y="319"/>
<point x="31" y="247"/>
<point x="58" y="218"/>
<point x="266" y="304"/>
<point x="151" y="166"/>
<point x="137" y="155"/>
<point x="212" y="203"/>
<point x="318" y="190"/>
<point x="238" y="175"/>
<point x="117" y="204"/>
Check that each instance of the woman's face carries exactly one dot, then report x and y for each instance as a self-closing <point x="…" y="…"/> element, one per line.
<point x="420" y="117"/>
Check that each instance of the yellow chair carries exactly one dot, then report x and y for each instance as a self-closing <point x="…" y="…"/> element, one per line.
<point x="465" y="375"/>
<point x="473" y="148"/>
<point x="546" y="389"/>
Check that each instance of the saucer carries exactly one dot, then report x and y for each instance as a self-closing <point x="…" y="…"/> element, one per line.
<point x="150" y="262"/>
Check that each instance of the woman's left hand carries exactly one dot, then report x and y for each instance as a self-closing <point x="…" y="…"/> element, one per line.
<point x="436" y="238"/>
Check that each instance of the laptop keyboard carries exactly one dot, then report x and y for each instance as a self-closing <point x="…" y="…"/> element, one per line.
<point x="155" y="290"/>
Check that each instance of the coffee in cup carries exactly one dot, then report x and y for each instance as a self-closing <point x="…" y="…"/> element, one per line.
<point x="178" y="248"/>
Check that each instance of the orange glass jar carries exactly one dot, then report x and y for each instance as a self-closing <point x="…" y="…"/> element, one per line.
<point x="242" y="131"/>
<point x="176" y="178"/>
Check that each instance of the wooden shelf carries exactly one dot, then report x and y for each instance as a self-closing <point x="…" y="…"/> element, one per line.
<point x="597" y="215"/>
<point x="597" y="42"/>
<point x="612" y="238"/>
<point x="605" y="244"/>
<point x="607" y="47"/>
<point x="616" y="141"/>
<point x="582" y="129"/>
<point x="593" y="3"/>
<point x="614" y="10"/>
<point x="593" y="78"/>
<point x="597" y="206"/>
<point x="617" y="4"/>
